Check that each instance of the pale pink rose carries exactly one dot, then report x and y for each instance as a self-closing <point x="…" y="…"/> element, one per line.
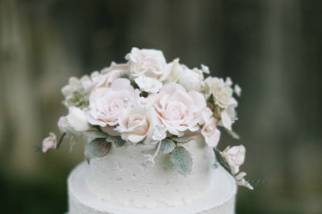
<point x="49" y="143"/>
<point x="190" y="79"/>
<point x="107" y="104"/>
<point x="147" y="62"/>
<point x="137" y="124"/>
<point x="235" y="157"/>
<point x="178" y="109"/>
<point x="211" y="133"/>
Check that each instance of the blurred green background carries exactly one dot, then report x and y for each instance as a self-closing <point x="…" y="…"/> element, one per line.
<point x="272" y="48"/>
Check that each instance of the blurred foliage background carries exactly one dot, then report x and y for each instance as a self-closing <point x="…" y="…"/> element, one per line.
<point x="272" y="48"/>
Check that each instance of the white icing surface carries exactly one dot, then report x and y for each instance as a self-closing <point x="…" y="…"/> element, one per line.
<point x="220" y="199"/>
<point x="124" y="177"/>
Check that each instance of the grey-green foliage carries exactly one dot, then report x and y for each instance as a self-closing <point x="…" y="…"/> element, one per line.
<point x="98" y="144"/>
<point x="181" y="160"/>
<point x="96" y="149"/>
<point x="167" y="146"/>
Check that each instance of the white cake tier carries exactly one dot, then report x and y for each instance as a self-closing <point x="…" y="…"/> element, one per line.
<point x="125" y="178"/>
<point x="220" y="199"/>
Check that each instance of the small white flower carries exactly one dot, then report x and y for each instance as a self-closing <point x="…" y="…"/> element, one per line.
<point x="159" y="132"/>
<point x="205" y="69"/>
<point x="228" y="81"/>
<point x="237" y="90"/>
<point x="147" y="62"/>
<point x="76" y="119"/>
<point x="241" y="181"/>
<point x="235" y="157"/>
<point x="74" y="84"/>
<point x="49" y="143"/>
<point x="211" y="133"/>
<point x="221" y="91"/>
<point x="148" y="84"/>
<point x="76" y="92"/>
<point x="190" y="79"/>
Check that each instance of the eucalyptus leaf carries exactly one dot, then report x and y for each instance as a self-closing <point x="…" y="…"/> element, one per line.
<point x="96" y="149"/>
<point x="181" y="160"/>
<point x="222" y="161"/>
<point x="167" y="146"/>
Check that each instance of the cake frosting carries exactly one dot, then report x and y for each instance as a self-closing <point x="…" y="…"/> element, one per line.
<point x="125" y="182"/>
<point x="126" y="178"/>
<point x="220" y="199"/>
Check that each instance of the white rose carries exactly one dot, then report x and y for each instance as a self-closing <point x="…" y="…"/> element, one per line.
<point x="106" y="105"/>
<point x="137" y="124"/>
<point x="235" y="157"/>
<point x="109" y="74"/>
<point x="228" y="117"/>
<point x="178" y="109"/>
<point x="76" y="119"/>
<point x="147" y="62"/>
<point x="210" y="133"/>
<point x="49" y="143"/>
<point x="221" y="91"/>
<point x="237" y="90"/>
<point x="190" y="79"/>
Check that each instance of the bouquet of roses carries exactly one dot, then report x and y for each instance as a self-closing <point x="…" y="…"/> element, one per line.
<point x="150" y="101"/>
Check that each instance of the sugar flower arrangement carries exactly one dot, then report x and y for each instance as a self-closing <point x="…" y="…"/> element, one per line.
<point x="150" y="101"/>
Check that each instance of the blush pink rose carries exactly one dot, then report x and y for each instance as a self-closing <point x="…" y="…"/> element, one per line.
<point x="107" y="104"/>
<point x="49" y="143"/>
<point x="137" y="125"/>
<point x="179" y="110"/>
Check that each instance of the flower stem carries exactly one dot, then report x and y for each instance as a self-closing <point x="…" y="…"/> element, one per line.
<point x="61" y="139"/>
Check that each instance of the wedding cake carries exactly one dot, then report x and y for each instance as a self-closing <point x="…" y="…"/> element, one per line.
<point x="150" y="131"/>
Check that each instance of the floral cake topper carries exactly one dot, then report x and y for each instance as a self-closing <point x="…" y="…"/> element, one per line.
<point x="148" y="100"/>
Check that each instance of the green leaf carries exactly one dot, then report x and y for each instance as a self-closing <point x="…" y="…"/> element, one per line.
<point x="96" y="149"/>
<point x="118" y="141"/>
<point x="167" y="146"/>
<point x="222" y="161"/>
<point x="181" y="160"/>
